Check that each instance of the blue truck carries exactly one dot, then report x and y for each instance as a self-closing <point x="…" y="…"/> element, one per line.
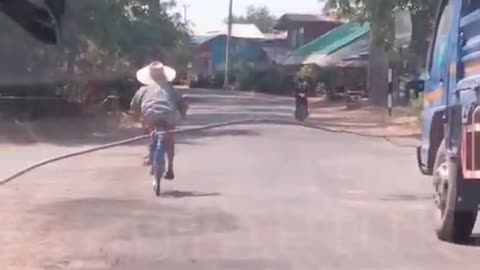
<point x="450" y="147"/>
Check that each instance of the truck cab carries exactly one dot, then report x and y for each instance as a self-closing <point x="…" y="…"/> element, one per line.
<point x="450" y="147"/>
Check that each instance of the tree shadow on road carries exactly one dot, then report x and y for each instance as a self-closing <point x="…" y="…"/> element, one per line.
<point x="72" y="131"/>
<point x="232" y="132"/>
<point x="407" y="197"/>
<point x="155" y="220"/>
<point x="192" y="138"/>
<point x="177" y="194"/>
<point x="83" y="131"/>
<point x="208" y="107"/>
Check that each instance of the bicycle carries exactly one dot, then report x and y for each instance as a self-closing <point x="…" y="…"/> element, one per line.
<point x="157" y="157"/>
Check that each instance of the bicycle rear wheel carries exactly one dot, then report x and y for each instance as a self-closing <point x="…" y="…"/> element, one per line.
<point x="158" y="165"/>
<point x="158" y="175"/>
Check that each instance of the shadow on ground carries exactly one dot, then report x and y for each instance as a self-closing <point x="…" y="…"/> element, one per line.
<point x="176" y="194"/>
<point x="224" y="264"/>
<point x="192" y="138"/>
<point x="142" y="261"/>
<point x="474" y="241"/>
<point x="407" y="197"/>
<point x="207" y="107"/>
<point x="78" y="132"/>
<point x="65" y="131"/>
<point x="230" y="132"/>
<point x="152" y="219"/>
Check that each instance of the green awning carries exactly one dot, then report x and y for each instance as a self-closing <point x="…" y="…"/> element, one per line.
<point x="328" y="43"/>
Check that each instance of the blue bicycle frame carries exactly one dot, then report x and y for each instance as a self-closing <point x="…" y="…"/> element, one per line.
<point x="157" y="151"/>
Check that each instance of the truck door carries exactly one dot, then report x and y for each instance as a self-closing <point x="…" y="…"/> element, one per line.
<point x="436" y="85"/>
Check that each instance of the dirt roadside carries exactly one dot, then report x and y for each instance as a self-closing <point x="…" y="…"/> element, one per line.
<point x="366" y="119"/>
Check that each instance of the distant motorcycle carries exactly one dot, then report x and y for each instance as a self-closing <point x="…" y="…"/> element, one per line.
<point x="301" y="103"/>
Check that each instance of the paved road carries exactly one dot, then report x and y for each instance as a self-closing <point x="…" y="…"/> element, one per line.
<point x="246" y="197"/>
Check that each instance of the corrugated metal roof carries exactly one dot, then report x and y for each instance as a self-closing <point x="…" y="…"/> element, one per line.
<point x="307" y="17"/>
<point x="246" y="31"/>
<point x="302" y="18"/>
<point x="276" y="36"/>
<point x="328" y="43"/>
<point x="347" y="45"/>
<point x="348" y="55"/>
<point x="200" y="39"/>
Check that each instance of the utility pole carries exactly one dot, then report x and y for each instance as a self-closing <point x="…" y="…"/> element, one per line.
<point x="390" y="92"/>
<point x="185" y="12"/>
<point x="229" y="37"/>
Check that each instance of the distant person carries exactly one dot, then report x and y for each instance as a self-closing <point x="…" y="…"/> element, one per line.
<point x="159" y="104"/>
<point x="301" y="100"/>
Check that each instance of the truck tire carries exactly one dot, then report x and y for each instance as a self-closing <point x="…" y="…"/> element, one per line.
<point x="454" y="223"/>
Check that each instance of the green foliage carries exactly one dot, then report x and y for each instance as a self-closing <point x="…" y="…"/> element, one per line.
<point x="246" y="79"/>
<point x="351" y="9"/>
<point x="365" y="9"/>
<point x="100" y="37"/>
<point x="308" y="72"/>
<point x="258" y="15"/>
<point x="380" y="13"/>
<point x="274" y="80"/>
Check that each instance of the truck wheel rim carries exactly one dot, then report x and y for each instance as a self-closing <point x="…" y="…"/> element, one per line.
<point x="441" y="188"/>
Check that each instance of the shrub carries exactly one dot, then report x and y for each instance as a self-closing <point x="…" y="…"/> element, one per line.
<point x="416" y="105"/>
<point x="308" y="72"/>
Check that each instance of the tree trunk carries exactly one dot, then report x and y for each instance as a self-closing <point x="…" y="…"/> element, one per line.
<point x="419" y="45"/>
<point x="378" y="65"/>
<point x="381" y="31"/>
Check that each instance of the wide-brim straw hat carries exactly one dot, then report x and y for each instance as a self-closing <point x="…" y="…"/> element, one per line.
<point x="146" y="75"/>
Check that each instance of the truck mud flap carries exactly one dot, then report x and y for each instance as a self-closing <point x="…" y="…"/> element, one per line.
<point x="423" y="168"/>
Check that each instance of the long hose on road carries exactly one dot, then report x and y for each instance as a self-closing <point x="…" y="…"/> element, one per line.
<point x="189" y="130"/>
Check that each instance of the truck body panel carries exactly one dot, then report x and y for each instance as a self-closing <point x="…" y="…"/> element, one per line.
<point x="453" y="70"/>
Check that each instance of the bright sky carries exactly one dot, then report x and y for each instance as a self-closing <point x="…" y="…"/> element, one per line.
<point x="208" y="14"/>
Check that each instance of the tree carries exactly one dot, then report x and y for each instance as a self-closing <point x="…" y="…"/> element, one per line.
<point x="422" y="15"/>
<point x="127" y="29"/>
<point x="258" y="15"/>
<point x="111" y="36"/>
<point x="380" y="14"/>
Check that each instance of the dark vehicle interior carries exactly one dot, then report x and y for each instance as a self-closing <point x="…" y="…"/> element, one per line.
<point x="41" y="18"/>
